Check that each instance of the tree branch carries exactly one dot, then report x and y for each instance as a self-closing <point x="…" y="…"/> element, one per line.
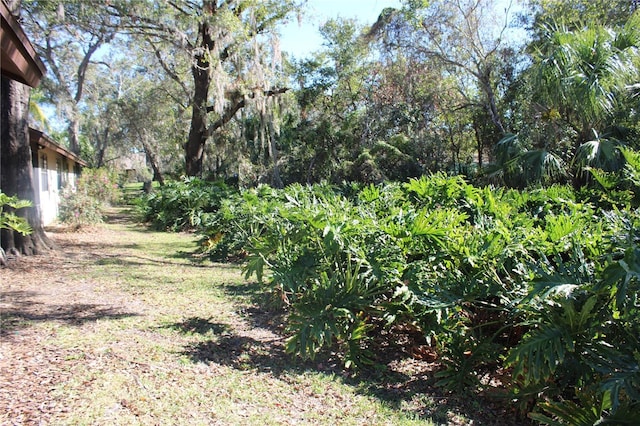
<point x="84" y="65"/>
<point x="136" y="24"/>
<point x="168" y="70"/>
<point x="231" y="112"/>
<point x="177" y="7"/>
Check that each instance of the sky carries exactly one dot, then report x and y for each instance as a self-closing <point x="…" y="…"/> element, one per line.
<point x="302" y="39"/>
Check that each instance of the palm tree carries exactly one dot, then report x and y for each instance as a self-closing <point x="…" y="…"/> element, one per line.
<point x="581" y="78"/>
<point x="36" y="113"/>
<point x="582" y="73"/>
<point x="518" y="166"/>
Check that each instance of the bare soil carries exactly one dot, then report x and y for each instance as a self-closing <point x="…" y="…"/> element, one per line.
<point x="50" y="289"/>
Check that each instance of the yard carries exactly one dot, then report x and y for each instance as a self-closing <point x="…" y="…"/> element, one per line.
<point x="123" y="326"/>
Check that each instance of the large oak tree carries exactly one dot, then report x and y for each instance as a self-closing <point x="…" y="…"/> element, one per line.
<point x="68" y="35"/>
<point x="16" y="178"/>
<point x="229" y="47"/>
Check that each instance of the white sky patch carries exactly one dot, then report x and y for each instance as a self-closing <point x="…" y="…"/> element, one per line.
<point x="301" y="39"/>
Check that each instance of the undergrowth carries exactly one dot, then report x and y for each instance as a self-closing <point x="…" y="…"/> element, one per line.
<point x="539" y="284"/>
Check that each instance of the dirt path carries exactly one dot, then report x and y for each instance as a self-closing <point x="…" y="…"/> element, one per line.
<point x="59" y="311"/>
<point x="122" y="326"/>
<point x="38" y="295"/>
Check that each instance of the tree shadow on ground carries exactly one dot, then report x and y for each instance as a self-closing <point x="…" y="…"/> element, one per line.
<point x="96" y="248"/>
<point x="242" y="353"/>
<point x="20" y="310"/>
<point x="401" y="377"/>
<point x="119" y="215"/>
<point x="135" y="260"/>
<point x="197" y="325"/>
<point x="229" y="348"/>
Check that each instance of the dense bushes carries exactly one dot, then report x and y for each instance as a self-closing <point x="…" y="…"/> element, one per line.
<point x="182" y="205"/>
<point x="537" y="284"/>
<point x="83" y="204"/>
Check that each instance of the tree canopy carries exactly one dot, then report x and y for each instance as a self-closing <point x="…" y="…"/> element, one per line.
<point x="203" y="88"/>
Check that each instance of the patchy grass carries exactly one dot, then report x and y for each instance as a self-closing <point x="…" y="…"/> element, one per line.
<point x="132" y="190"/>
<point x="123" y="327"/>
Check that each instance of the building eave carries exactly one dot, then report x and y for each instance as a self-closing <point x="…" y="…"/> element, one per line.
<point x="36" y="137"/>
<point x="18" y="58"/>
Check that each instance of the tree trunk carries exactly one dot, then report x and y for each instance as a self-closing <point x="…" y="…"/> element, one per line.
<point x="200" y="129"/>
<point x="194" y="148"/>
<point x="492" y="108"/>
<point x="16" y="172"/>
<point x="73" y="129"/>
<point x="153" y="160"/>
<point x="580" y="177"/>
<point x="198" y="132"/>
<point x="273" y="153"/>
<point x="101" y="142"/>
<point x="479" y="143"/>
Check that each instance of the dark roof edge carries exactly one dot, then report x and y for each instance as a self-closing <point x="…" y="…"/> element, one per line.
<point x="15" y="31"/>
<point x="38" y="137"/>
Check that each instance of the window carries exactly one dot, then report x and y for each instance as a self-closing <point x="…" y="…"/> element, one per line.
<point x="59" y="171"/>
<point x="65" y="172"/>
<point x="62" y="167"/>
<point x="44" y="173"/>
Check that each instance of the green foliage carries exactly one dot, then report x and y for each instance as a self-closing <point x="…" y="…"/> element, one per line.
<point x="579" y="85"/>
<point x="318" y="247"/>
<point x="182" y="205"/>
<point x="534" y="280"/>
<point x="83" y="204"/>
<point x="575" y="13"/>
<point x="619" y="188"/>
<point x="8" y="219"/>
<point x="79" y="208"/>
<point x="518" y="166"/>
<point x="537" y="282"/>
<point x="631" y="173"/>
<point x="582" y="344"/>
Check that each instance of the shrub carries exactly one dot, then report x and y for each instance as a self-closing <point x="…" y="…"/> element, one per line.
<point x="83" y="204"/>
<point x="78" y="208"/>
<point x="535" y="282"/>
<point x="182" y="205"/>
<point x="100" y="184"/>
<point x="8" y="219"/>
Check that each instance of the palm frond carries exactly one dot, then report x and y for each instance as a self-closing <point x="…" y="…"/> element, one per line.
<point x="38" y="114"/>
<point x="599" y="153"/>
<point x="539" y="354"/>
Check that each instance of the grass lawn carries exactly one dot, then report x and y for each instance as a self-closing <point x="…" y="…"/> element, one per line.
<point x="123" y="326"/>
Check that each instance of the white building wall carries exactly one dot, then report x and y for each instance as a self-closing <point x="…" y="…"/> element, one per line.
<point x="46" y="185"/>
